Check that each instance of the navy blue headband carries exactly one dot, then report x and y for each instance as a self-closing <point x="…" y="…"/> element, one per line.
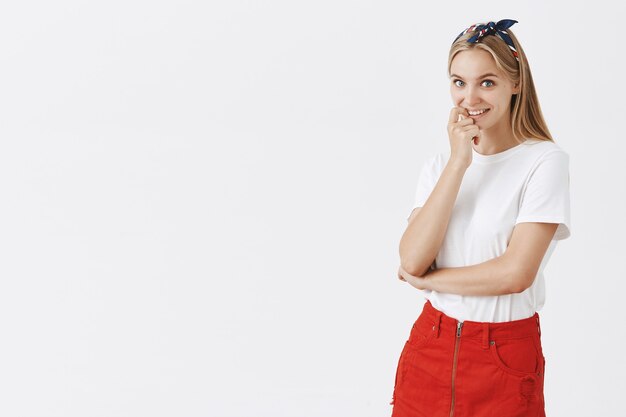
<point x="492" y="28"/>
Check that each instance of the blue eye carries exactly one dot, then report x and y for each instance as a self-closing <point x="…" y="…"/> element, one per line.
<point x="485" y="81"/>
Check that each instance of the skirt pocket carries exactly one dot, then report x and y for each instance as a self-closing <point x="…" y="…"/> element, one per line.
<point x="399" y="372"/>
<point x="422" y="332"/>
<point x="519" y="357"/>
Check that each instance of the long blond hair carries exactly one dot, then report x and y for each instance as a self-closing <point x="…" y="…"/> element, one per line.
<point x="526" y="117"/>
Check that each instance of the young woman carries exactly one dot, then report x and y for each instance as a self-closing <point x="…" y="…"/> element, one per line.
<point x="486" y="218"/>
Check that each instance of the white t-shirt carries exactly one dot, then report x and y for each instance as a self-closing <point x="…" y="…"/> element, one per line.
<point x="526" y="183"/>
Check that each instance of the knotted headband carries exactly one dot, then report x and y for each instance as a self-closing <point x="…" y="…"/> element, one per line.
<point x="492" y="28"/>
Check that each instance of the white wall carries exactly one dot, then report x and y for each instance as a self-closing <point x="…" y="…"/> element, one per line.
<point x="202" y="202"/>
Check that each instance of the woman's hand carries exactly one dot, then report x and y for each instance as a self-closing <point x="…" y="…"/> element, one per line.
<point x="462" y="132"/>
<point x="417" y="282"/>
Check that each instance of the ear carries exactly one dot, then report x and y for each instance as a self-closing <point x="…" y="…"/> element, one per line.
<point x="516" y="89"/>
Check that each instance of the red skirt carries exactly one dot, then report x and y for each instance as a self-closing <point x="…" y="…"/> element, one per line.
<point x="449" y="368"/>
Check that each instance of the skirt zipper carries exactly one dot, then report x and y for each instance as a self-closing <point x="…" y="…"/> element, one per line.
<point x="459" y="325"/>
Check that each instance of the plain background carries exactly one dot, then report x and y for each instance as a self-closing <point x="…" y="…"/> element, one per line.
<point x="202" y="202"/>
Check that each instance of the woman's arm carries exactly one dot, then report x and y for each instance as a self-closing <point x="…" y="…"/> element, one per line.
<point x="512" y="272"/>
<point x="424" y="235"/>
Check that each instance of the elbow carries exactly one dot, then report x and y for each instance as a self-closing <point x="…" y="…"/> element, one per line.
<point x="516" y="289"/>
<point x="520" y="281"/>
<point x="518" y="275"/>
<point x="415" y="259"/>
<point x="409" y="264"/>
<point x="414" y="269"/>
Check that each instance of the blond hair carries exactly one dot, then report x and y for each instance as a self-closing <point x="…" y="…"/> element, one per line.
<point x="526" y="117"/>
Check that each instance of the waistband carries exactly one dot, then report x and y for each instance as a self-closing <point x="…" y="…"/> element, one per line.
<point x="486" y="331"/>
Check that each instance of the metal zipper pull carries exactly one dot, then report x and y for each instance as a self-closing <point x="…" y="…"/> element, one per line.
<point x="458" y="329"/>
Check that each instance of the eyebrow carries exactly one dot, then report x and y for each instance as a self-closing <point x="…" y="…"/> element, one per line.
<point x="482" y="76"/>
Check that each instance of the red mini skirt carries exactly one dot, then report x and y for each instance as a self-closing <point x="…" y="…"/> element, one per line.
<point x="449" y="368"/>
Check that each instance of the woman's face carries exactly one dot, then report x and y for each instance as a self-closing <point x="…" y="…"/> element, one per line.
<point x="476" y="84"/>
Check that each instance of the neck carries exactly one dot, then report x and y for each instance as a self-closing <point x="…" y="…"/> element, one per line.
<point x="496" y="139"/>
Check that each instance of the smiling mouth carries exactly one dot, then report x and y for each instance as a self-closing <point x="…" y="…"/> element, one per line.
<point x="477" y="114"/>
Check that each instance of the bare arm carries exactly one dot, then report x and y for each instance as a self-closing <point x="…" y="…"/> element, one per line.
<point x="427" y="227"/>
<point x="512" y="272"/>
<point x="424" y="234"/>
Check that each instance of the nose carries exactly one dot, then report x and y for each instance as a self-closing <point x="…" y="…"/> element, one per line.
<point x="471" y="96"/>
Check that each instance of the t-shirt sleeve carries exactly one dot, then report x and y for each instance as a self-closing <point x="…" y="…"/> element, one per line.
<point x="426" y="183"/>
<point x="546" y="196"/>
